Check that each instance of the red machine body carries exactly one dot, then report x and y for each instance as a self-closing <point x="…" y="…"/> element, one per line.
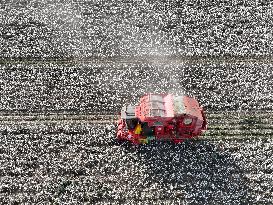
<point x="161" y="117"/>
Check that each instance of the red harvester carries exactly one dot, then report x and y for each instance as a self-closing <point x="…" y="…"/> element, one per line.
<point x="161" y="117"/>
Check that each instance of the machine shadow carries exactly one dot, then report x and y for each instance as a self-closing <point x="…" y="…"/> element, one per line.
<point x="197" y="171"/>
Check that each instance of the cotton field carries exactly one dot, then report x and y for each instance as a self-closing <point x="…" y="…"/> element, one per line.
<point x="68" y="66"/>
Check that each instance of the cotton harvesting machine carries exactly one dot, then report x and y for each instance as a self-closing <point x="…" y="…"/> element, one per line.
<point x="161" y="117"/>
